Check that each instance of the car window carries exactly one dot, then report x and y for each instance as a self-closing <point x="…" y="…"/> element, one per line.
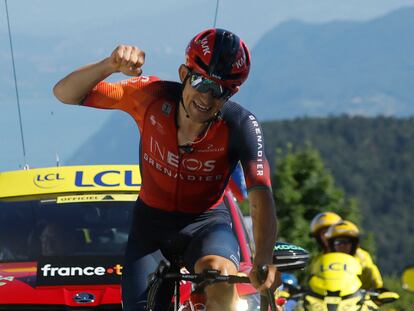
<point x="35" y="228"/>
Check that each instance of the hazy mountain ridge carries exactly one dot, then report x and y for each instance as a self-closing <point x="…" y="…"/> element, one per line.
<point x="358" y="68"/>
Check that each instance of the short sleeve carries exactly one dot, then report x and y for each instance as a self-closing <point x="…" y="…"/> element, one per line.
<point x="131" y="95"/>
<point x="252" y="154"/>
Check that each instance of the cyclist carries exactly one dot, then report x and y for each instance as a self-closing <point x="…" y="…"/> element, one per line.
<point x="192" y="137"/>
<point x="344" y="237"/>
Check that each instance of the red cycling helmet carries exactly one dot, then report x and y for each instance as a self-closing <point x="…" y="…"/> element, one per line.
<point x="221" y="56"/>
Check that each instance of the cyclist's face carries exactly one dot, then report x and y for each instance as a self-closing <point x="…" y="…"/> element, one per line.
<point x="201" y="106"/>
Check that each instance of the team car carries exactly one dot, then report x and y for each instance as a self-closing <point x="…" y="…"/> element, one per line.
<point x="63" y="231"/>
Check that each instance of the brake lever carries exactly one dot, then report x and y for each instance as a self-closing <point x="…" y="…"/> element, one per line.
<point x="268" y="299"/>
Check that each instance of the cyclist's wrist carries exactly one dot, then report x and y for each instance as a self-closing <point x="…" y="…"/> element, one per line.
<point x="109" y="66"/>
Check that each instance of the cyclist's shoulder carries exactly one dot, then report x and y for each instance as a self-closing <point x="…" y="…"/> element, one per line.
<point x="236" y="114"/>
<point x="363" y="256"/>
<point x="360" y="252"/>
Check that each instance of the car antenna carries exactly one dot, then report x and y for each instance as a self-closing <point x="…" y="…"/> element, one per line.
<point x="26" y="166"/>
<point x="215" y="15"/>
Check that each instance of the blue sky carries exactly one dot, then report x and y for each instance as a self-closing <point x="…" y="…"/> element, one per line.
<point x="51" y="38"/>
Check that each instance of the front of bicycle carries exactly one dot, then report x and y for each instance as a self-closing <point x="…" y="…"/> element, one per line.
<point x="286" y="257"/>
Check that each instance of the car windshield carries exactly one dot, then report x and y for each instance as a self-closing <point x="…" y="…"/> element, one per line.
<point x="52" y="227"/>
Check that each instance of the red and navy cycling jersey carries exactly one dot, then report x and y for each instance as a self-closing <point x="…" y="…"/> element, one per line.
<point x="193" y="181"/>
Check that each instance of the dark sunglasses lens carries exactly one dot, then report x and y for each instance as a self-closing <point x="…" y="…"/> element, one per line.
<point x="217" y="91"/>
<point x="341" y="241"/>
<point x="225" y="94"/>
<point x="204" y="85"/>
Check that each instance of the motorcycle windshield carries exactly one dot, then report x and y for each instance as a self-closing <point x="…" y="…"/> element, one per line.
<point x="337" y="272"/>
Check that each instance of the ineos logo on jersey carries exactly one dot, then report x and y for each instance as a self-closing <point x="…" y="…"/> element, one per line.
<point x="195" y="165"/>
<point x="190" y="164"/>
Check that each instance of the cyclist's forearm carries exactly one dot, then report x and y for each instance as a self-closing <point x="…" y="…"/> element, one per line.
<point x="75" y="86"/>
<point x="263" y="214"/>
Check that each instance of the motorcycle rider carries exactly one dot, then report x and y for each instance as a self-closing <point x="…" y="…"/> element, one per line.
<point x="320" y="224"/>
<point x="344" y="237"/>
<point x="318" y="227"/>
<point x="290" y="286"/>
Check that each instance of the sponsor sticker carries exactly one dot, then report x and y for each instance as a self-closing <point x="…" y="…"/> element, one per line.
<point x="96" y="198"/>
<point x="79" y="270"/>
<point x="5" y="279"/>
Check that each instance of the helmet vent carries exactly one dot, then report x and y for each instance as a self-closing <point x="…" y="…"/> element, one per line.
<point x="203" y="35"/>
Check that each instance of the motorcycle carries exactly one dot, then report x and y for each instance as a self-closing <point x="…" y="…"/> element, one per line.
<point x="336" y="287"/>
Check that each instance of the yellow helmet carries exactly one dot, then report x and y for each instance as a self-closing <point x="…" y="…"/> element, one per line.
<point x="323" y="220"/>
<point x="344" y="228"/>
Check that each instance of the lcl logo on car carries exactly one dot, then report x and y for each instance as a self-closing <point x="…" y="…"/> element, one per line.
<point x="48" y="181"/>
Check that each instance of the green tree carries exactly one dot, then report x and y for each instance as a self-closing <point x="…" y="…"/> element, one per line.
<point x="372" y="160"/>
<point x="304" y="187"/>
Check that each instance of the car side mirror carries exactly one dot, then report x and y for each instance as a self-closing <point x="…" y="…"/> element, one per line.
<point x="407" y="279"/>
<point x="289" y="257"/>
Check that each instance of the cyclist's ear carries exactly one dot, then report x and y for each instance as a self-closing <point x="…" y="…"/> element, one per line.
<point x="183" y="70"/>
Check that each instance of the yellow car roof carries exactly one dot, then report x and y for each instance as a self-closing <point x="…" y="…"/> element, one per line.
<point x="70" y="179"/>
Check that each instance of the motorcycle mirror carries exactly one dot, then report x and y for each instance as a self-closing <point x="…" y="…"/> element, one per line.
<point x="387" y="297"/>
<point x="407" y="279"/>
<point x="288" y="257"/>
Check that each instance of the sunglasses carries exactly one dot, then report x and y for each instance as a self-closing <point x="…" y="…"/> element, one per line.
<point x="203" y="85"/>
<point x="341" y="241"/>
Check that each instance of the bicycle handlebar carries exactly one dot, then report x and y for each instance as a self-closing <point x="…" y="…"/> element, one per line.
<point x="214" y="276"/>
<point x="208" y="275"/>
<point x="286" y="257"/>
